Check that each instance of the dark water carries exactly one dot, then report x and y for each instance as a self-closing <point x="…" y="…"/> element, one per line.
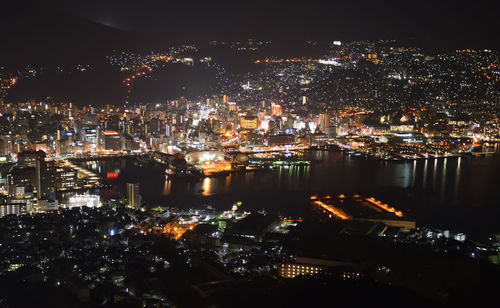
<point x="458" y="193"/>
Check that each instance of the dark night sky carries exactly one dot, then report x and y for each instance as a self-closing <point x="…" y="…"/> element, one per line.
<point x="431" y="22"/>
<point x="428" y="21"/>
<point x="59" y="32"/>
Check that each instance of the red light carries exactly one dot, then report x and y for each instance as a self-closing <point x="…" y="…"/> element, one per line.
<point x="112" y="175"/>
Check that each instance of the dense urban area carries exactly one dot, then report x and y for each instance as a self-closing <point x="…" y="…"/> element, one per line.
<point x="239" y="109"/>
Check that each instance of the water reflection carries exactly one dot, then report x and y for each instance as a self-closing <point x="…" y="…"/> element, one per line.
<point x="457" y="177"/>
<point x="406" y="175"/>
<point x="424" y="181"/>
<point x="334" y="172"/>
<point x="434" y="173"/>
<point x="227" y="182"/>
<point x="206" y="187"/>
<point x="413" y="173"/>
<point x="457" y="174"/>
<point x="443" y="180"/>
<point x="167" y="187"/>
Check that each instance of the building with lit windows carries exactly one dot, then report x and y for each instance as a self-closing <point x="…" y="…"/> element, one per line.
<point x="249" y="122"/>
<point x="313" y="266"/>
<point x="112" y="141"/>
<point x="324" y="121"/>
<point x="84" y="200"/>
<point x="66" y="178"/>
<point x="232" y="106"/>
<point x="18" y="208"/>
<point x="134" y="198"/>
<point x="291" y="270"/>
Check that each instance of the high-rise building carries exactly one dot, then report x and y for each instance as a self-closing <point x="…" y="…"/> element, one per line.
<point x="134" y="199"/>
<point x="58" y="142"/>
<point x="45" y="179"/>
<point x="20" y="180"/>
<point x="112" y="141"/>
<point x="168" y="132"/>
<point x="5" y="145"/>
<point x="154" y="126"/>
<point x="324" y="121"/>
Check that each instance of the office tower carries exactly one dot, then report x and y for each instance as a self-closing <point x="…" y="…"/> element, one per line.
<point x="45" y="179"/>
<point x="112" y="141"/>
<point x="134" y="198"/>
<point x="324" y="121"/>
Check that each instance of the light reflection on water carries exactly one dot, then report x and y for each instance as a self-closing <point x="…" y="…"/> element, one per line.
<point x="466" y="182"/>
<point x="206" y="188"/>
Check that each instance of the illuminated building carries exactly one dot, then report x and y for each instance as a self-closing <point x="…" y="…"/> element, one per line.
<point x="313" y="266"/>
<point x="373" y="58"/>
<point x="232" y="106"/>
<point x="276" y="109"/>
<point x="134" y="199"/>
<point x="58" y="142"/>
<point x="89" y="134"/>
<point x="46" y="205"/>
<point x="324" y="121"/>
<point x="404" y="128"/>
<point x="314" y="139"/>
<point x="45" y="179"/>
<point x="291" y="270"/>
<point x="84" y="200"/>
<point x="13" y="208"/>
<point x="249" y="122"/>
<point x="65" y="177"/>
<point x="168" y="132"/>
<point x="112" y="141"/>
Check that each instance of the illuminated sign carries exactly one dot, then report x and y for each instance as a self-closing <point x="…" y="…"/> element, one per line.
<point x="110" y="133"/>
<point x="112" y="175"/>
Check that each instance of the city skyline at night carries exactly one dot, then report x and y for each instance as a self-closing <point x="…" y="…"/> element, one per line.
<point x="241" y="154"/>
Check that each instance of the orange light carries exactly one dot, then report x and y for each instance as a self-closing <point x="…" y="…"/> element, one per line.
<point x="333" y="210"/>
<point x="384" y="206"/>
